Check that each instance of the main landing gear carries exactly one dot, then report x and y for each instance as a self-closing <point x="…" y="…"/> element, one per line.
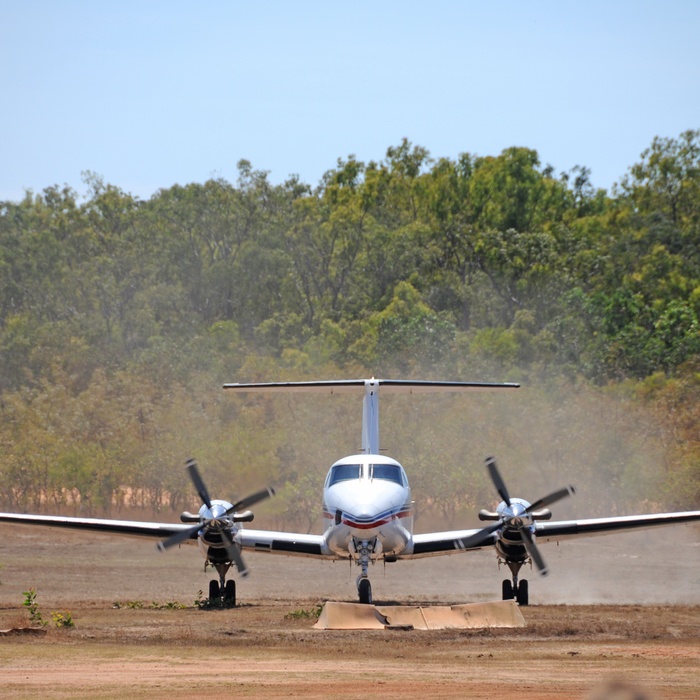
<point x="515" y="589"/>
<point x="222" y="592"/>
<point x="519" y="592"/>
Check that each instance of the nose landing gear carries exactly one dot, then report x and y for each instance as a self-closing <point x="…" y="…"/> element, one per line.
<point x="364" y="550"/>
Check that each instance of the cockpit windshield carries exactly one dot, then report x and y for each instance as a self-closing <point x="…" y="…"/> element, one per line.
<point x="390" y="472"/>
<point x="344" y="472"/>
<point x="348" y="472"/>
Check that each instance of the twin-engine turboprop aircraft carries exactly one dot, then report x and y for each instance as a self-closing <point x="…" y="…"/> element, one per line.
<point x="367" y="509"/>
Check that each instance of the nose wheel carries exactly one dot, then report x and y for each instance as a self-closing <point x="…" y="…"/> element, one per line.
<point x="364" y="549"/>
<point x="364" y="590"/>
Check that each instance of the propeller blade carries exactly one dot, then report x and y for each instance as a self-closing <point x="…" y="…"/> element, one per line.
<point x="198" y="482"/>
<point x="552" y="498"/>
<point x="497" y="480"/>
<point x="251" y="500"/>
<point x="233" y="551"/>
<point x="533" y="551"/>
<point x="178" y="537"/>
<point x="478" y="537"/>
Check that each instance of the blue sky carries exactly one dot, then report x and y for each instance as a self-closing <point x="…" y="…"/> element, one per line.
<point x="152" y="93"/>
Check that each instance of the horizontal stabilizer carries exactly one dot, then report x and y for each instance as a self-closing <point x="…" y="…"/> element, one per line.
<point x="389" y="386"/>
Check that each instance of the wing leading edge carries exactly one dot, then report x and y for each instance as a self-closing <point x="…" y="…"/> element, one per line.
<point x="121" y="527"/>
<point x="590" y="527"/>
<point x="270" y="541"/>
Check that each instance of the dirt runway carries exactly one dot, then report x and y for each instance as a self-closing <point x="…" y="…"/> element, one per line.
<point x="623" y="607"/>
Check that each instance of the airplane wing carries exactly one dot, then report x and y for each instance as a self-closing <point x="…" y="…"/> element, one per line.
<point x="452" y="542"/>
<point x="566" y="529"/>
<point x="423" y="545"/>
<point x="120" y="527"/>
<point x="432" y="544"/>
<point x="290" y="543"/>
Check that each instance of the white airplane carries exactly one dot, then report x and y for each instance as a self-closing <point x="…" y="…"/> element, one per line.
<point x="367" y="509"/>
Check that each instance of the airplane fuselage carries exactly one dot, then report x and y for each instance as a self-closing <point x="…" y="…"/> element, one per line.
<point x="367" y="502"/>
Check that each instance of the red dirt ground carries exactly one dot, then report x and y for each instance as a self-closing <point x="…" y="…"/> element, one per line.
<point x="619" y="607"/>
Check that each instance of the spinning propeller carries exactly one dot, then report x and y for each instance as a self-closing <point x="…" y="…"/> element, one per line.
<point x="516" y="516"/>
<point x="217" y="518"/>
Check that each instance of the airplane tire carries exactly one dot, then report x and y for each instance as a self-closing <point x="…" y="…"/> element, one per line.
<point x="507" y="590"/>
<point x="230" y="594"/>
<point x="364" y="591"/>
<point x="523" y="595"/>
<point x="214" y="590"/>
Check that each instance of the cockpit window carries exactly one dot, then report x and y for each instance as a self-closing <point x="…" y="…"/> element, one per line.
<point x="344" y="472"/>
<point x="390" y="472"/>
<point x="348" y="472"/>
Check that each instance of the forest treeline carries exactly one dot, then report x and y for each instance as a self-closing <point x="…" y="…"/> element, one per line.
<point x="120" y="318"/>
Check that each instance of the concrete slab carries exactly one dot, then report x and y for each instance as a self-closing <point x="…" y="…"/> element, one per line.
<point x="349" y="616"/>
<point x="467" y="616"/>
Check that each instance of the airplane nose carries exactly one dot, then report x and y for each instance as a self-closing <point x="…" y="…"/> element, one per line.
<point x="365" y="511"/>
<point x="363" y="516"/>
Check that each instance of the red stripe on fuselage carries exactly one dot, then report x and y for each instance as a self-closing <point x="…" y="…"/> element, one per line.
<point x="376" y="523"/>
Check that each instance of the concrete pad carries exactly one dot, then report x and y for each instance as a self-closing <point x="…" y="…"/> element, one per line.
<point x="468" y="616"/>
<point x="403" y="616"/>
<point x="504" y="613"/>
<point x="349" y="616"/>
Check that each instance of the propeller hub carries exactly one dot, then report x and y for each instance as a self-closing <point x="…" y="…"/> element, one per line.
<point x="217" y="511"/>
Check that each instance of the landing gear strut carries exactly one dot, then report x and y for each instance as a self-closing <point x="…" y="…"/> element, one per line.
<point x="364" y="550"/>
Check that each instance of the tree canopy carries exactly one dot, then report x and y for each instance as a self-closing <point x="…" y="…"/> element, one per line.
<point x="120" y="318"/>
